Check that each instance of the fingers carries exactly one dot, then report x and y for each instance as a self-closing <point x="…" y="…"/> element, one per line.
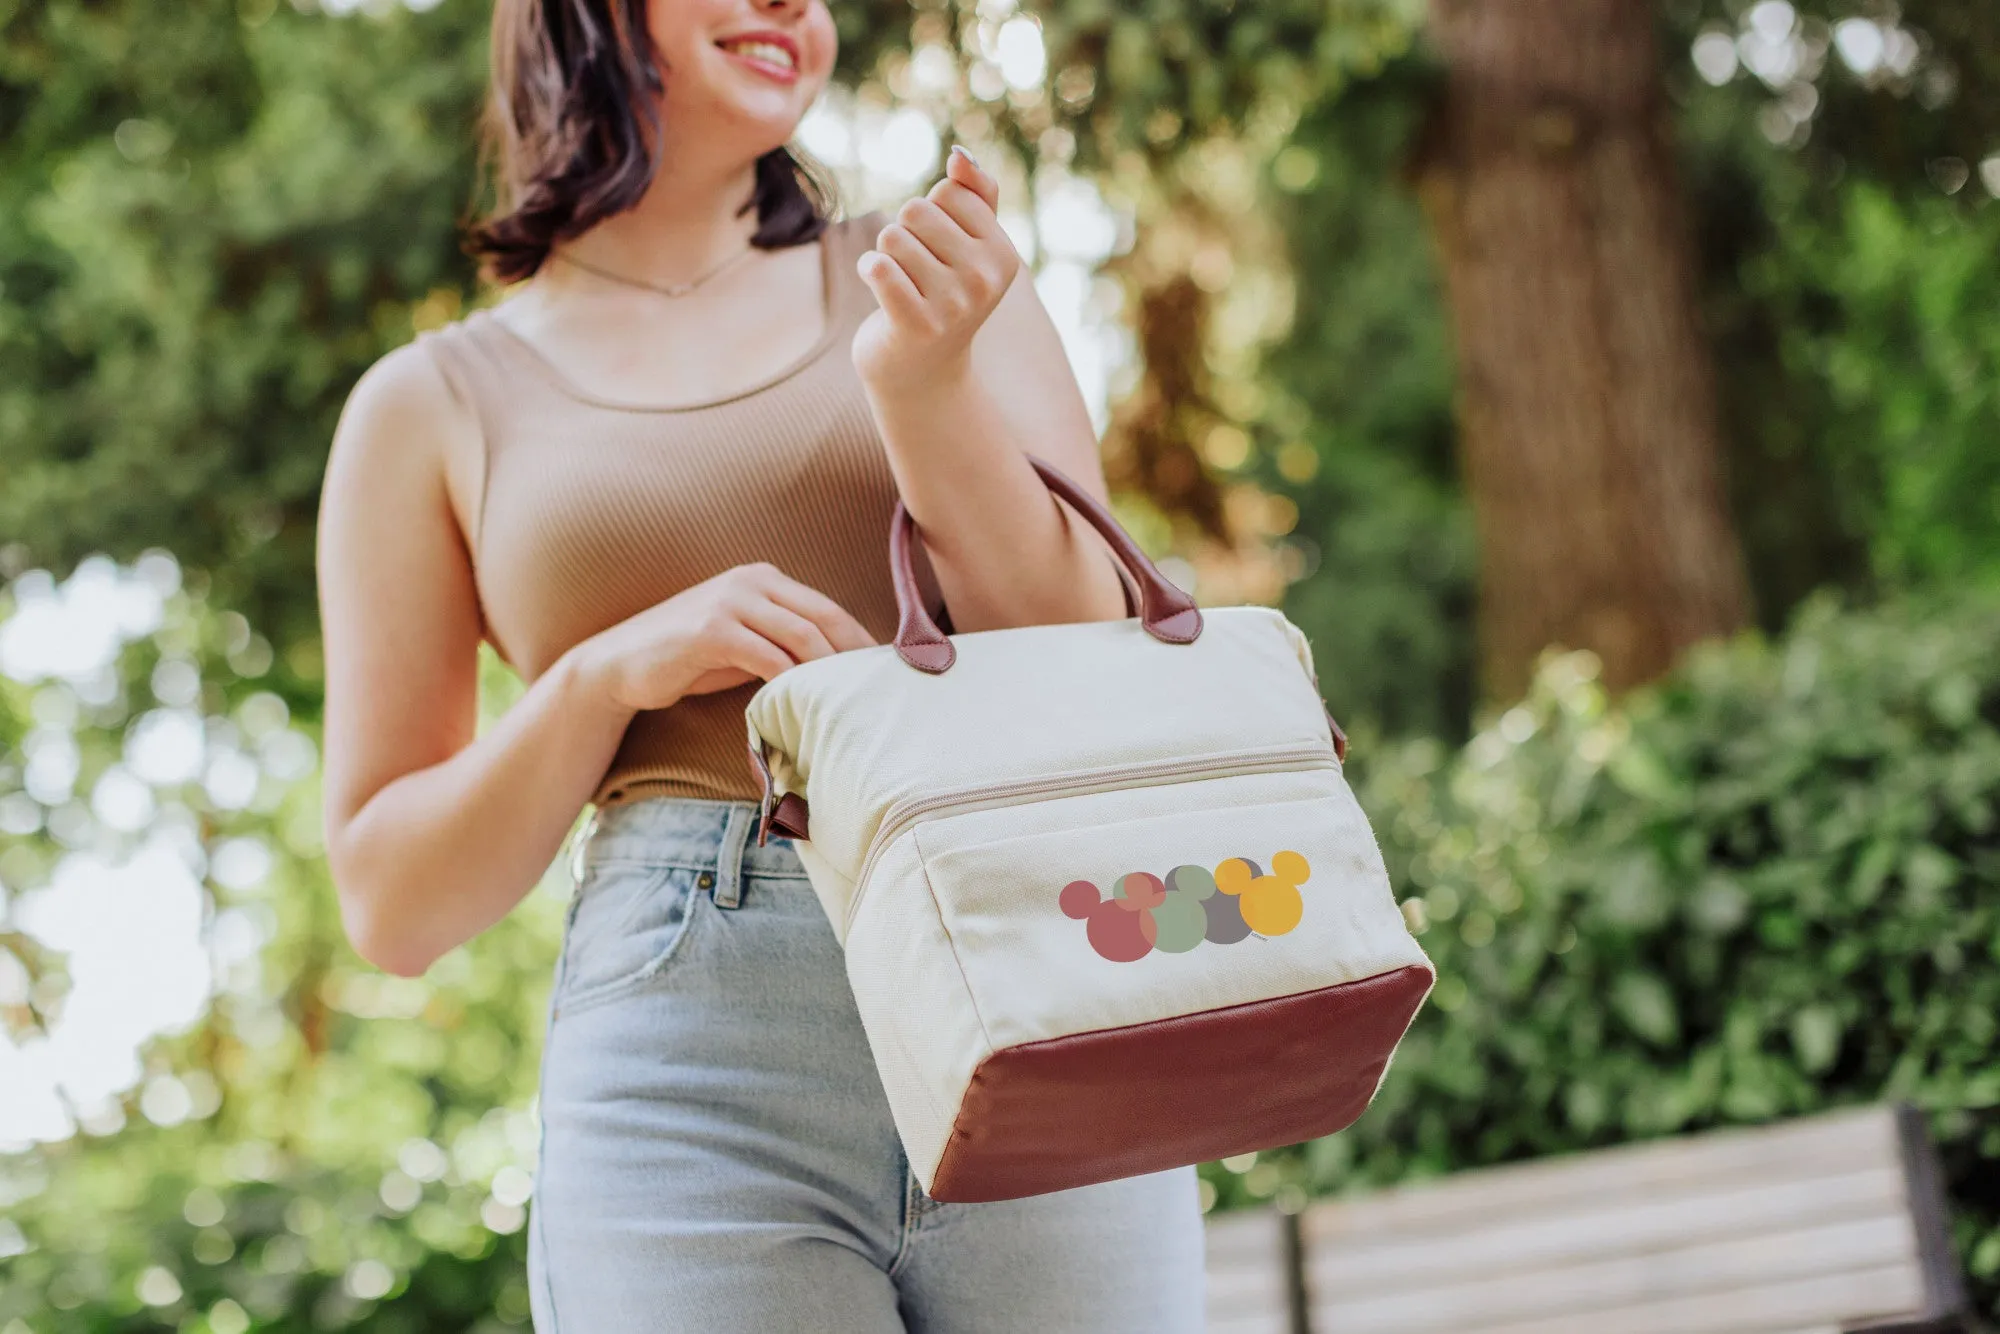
<point x="929" y="272"/>
<point x="784" y="627"/>
<point x="745" y="649"/>
<point x="964" y="206"/>
<point x="894" y="291"/>
<point x="957" y="272"/>
<point x="942" y="234"/>
<point x="834" y="621"/>
<point x="959" y="166"/>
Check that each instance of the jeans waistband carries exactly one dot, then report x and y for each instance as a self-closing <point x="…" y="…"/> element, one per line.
<point x="697" y="833"/>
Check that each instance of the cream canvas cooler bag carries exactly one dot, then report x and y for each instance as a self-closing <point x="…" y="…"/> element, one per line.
<point x="1107" y="902"/>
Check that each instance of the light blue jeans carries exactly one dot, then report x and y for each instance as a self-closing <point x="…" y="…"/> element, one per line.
<point x="717" y="1154"/>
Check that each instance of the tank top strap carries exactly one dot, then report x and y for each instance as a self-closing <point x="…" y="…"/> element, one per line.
<point x="475" y="364"/>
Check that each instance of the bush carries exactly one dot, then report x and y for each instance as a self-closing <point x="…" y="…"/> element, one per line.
<point x="1767" y="886"/>
<point x="254" y="1128"/>
<point x="1762" y="888"/>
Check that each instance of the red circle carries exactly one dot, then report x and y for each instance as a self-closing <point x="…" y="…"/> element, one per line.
<point x="1120" y="936"/>
<point x="1079" y="898"/>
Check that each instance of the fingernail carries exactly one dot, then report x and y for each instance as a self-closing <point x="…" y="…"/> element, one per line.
<point x="960" y="149"/>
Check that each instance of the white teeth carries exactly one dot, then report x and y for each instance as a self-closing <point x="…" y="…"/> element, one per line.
<point x="764" y="51"/>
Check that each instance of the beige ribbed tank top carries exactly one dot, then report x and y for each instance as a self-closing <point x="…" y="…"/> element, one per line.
<point x="591" y="511"/>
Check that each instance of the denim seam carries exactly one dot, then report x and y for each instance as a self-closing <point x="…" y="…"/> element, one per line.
<point x="912" y="1215"/>
<point x="541" y="1233"/>
<point x="605" y="992"/>
<point x="535" y="1217"/>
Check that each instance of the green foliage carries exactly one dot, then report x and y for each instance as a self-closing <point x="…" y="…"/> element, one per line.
<point x="1764" y="887"/>
<point x="219" y="215"/>
<point x="1362" y="437"/>
<point x="1768" y="885"/>
<point x="222" y="214"/>
<point x="1896" y="123"/>
<point x="1848" y="296"/>
<point x="1846" y="284"/>
<point x="325" y="1147"/>
<point x="1887" y="309"/>
<point x="1160" y="79"/>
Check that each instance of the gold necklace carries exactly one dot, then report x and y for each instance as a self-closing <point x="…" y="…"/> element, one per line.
<point x="664" y="289"/>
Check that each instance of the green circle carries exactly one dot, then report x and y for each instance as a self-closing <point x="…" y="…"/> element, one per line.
<point x="1195" y="881"/>
<point x="1182" y="923"/>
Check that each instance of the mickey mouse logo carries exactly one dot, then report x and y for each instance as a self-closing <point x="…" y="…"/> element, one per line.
<point x="1192" y="904"/>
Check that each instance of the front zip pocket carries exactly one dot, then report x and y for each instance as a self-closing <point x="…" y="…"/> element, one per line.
<point x="906" y="815"/>
<point x="1090" y="911"/>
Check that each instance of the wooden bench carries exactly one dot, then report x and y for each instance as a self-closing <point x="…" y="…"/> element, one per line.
<point x="1823" y="1225"/>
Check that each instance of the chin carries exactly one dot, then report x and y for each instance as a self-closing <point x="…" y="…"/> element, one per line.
<point x="771" y="126"/>
<point x="721" y="119"/>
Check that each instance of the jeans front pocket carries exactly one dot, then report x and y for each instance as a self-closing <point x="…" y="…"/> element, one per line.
<point x="625" y="924"/>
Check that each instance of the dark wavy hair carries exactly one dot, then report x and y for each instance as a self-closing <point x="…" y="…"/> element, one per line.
<point x="572" y="136"/>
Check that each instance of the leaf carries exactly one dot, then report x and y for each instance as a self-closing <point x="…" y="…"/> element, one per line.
<point x="1719" y="906"/>
<point x="1816" y="1032"/>
<point x="1927" y="871"/>
<point x="1871" y="870"/>
<point x="1646" y="1005"/>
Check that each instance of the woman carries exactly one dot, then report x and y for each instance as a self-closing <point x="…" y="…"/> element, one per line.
<point x="658" y="474"/>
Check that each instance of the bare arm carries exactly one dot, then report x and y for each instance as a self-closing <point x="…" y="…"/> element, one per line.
<point x="432" y="835"/>
<point x="966" y="375"/>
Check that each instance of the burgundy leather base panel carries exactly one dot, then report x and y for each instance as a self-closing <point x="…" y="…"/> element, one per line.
<point x="1094" y="1107"/>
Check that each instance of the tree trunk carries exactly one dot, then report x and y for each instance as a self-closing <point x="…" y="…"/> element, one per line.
<point x="1586" y="396"/>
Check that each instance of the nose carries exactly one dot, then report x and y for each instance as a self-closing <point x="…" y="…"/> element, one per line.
<point x="782" y="8"/>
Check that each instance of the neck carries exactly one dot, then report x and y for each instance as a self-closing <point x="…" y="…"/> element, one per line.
<point x="686" y="223"/>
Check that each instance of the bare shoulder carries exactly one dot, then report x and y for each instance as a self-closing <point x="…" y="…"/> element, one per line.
<point x="404" y="402"/>
<point x="407" y="424"/>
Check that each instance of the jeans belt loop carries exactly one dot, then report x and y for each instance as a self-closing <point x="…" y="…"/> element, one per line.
<point x="737" y="831"/>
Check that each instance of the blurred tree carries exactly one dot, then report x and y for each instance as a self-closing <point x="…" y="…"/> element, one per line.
<point x="1842" y="166"/>
<point x="221" y="219"/>
<point x="1588" y="419"/>
<point x="1361" y="437"/>
<point x="1840" y="284"/>
<point x="301" y="1142"/>
<point x="218" y="215"/>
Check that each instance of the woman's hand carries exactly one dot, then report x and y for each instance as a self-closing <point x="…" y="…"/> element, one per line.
<point x="937" y="272"/>
<point x="746" y="624"/>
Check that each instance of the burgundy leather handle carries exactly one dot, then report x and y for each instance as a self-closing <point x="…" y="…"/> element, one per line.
<point x="1167" y="613"/>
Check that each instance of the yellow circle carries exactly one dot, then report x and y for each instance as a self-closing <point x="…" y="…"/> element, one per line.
<point x="1233" y="876"/>
<point x="1271" y="906"/>
<point x="1290" y="867"/>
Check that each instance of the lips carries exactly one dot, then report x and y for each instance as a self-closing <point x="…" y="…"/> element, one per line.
<point x="771" y="53"/>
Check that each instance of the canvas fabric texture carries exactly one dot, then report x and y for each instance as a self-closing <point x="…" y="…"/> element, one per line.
<point x="1143" y="756"/>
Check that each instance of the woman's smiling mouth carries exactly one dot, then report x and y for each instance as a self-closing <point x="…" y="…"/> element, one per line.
<point x="766" y="54"/>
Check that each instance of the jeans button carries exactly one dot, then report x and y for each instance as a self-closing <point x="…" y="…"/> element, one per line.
<point x="706" y="880"/>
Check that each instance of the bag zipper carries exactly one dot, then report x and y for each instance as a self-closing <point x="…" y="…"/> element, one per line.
<point x="908" y="811"/>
